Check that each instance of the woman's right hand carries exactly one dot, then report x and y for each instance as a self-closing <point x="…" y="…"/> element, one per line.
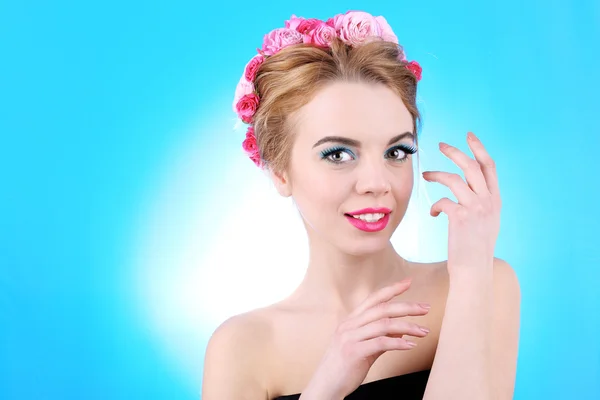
<point x="374" y="327"/>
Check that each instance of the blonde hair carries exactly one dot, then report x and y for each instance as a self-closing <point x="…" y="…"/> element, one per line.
<point x="289" y="79"/>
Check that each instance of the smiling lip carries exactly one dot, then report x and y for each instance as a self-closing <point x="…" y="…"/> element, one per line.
<point x="371" y="210"/>
<point x="369" y="226"/>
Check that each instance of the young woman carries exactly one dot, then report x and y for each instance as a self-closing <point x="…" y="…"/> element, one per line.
<point x="332" y="118"/>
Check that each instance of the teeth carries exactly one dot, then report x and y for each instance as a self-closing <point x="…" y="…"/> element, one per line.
<point x="370" y="217"/>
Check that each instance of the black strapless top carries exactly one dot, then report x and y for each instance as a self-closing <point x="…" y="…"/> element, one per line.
<point x="406" y="387"/>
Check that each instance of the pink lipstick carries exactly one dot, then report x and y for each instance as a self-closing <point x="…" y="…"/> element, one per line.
<point x="366" y="226"/>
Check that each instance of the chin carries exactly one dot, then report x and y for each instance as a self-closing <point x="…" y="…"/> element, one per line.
<point x="364" y="247"/>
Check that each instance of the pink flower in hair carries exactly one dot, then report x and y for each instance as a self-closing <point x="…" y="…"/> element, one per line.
<point x="293" y="22"/>
<point x="243" y="88"/>
<point x="251" y="147"/>
<point x="415" y="68"/>
<point x="312" y="30"/>
<point x="246" y="107"/>
<point x="336" y="21"/>
<point x="308" y="25"/>
<point x="321" y="35"/>
<point x="386" y="30"/>
<point x="355" y="27"/>
<point x="279" y="38"/>
<point x="252" y="67"/>
<point x="301" y="24"/>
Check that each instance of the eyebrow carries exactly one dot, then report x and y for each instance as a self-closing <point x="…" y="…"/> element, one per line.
<point x="356" y="143"/>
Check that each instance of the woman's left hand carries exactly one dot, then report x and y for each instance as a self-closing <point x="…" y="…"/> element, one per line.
<point x="474" y="222"/>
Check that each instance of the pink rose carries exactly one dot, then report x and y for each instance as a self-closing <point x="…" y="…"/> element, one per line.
<point x="336" y="21"/>
<point x="279" y="38"/>
<point x="252" y="67"/>
<point x="256" y="159"/>
<point x="308" y="25"/>
<point x="386" y="30"/>
<point x="250" y="146"/>
<point x="293" y="22"/>
<point x="247" y="106"/>
<point x="243" y="88"/>
<point x="322" y="35"/>
<point x="415" y="68"/>
<point x="357" y="26"/>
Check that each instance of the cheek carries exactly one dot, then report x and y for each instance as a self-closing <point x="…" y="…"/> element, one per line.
<point x="404" y="187"/>
<point x="320" y="188"/>
<point x="319" y="193"/>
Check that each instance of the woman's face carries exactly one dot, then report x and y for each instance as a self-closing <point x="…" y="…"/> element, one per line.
<point x="352" y="152"/>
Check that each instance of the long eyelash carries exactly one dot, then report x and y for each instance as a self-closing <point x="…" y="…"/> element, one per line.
<point x="332" y="150"/>
<point x="406" y="149"/>
<point x="327" y="152"/>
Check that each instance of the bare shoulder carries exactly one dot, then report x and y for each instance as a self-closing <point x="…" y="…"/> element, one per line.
<point x="435" y="275"/>
<point x="507" y="295"/>
<point x="438" y="270"/>
<point x="235" y="356"/>
<point x="505" y="275"/>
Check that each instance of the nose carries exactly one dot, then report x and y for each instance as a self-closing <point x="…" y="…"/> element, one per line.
<point x="373" y="178"/>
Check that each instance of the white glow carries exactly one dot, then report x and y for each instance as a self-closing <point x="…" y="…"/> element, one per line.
<point x="206" y="252"/>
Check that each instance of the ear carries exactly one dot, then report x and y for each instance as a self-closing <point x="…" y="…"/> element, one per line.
<point x="282" y="183"/>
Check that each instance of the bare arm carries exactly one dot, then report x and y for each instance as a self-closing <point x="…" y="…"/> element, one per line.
<point x="232" y="363"/>
<point x="477" y="348"/>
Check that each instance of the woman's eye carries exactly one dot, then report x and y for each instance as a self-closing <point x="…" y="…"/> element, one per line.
<point x="397" y="154"/>
<point x="337" y="155"/>
<point x="400" y="152"/>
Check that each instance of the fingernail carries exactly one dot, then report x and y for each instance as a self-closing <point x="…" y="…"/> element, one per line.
<point x="470" y="136"/>
<point x="443" y="146"/>
<point x="425" y="306"/>
<point x="411" y="344"/>
<point x="424" y="329"/>
<point x="406" y="280"/>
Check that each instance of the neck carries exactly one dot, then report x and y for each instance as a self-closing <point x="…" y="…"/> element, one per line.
<point x="339" y="282"/>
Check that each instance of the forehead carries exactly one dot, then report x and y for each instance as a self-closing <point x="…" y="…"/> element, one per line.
<point x="357" y="110"/>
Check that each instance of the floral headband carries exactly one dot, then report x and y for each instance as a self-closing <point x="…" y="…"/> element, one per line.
<point x="353" y="28"/>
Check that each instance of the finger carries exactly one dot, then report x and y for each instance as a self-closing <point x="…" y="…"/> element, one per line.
<point x="471" y="168"/>
<point x="382" y="344"/>
<point x="394" y="327"/>
<point x="444" y="205"/>
<point x="457" y="185"/>
<point x="488" y="166"/>
<point x="386" y="310"/>
<point x="385" y="294"/>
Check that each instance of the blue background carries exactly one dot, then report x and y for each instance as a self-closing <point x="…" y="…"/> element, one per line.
<point x="99" y="99"/>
